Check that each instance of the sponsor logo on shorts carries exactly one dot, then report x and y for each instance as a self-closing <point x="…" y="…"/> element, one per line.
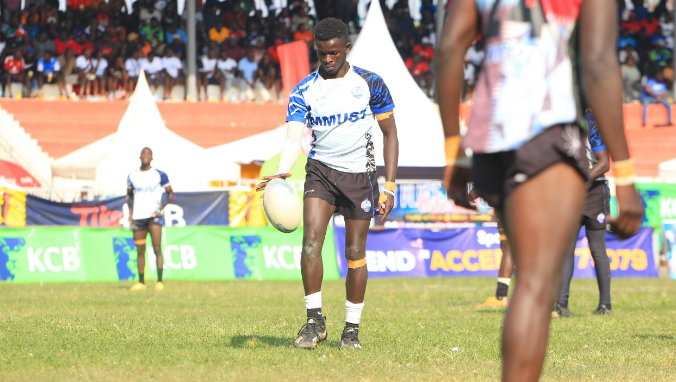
<point x="366" y="205"/>
<point x="309" y="191"/>
<point x="601" y="218"/>
<point x="520" y="178"/>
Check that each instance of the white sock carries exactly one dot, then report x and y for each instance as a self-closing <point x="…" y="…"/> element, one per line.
<point x="505" y="280"/>
<point x="353" y="312"/>
<point x="313" y="301"/>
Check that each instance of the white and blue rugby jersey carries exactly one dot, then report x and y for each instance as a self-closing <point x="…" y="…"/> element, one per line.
<point x="340" y="112"/>
<point x="148" y="189"/>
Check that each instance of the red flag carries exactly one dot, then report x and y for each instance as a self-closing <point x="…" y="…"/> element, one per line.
<point x="295" y="64"/>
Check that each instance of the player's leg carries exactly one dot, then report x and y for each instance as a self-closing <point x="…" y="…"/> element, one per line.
<point x="156" y="237"/>
<point x="355" y="282"/>
<point x="597" y="245"/>
<point x="542" y="217"/>
<point x="316" y="215"/>
<point x="561" y="308"/>
<point x="504" y="275"/>
<point x="140" y="243"/>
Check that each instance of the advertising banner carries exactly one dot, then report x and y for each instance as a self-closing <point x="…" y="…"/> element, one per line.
<point x="190" y="253"/>
<point x="12" y="207"/>
<point x="476" y="252"/>
<point x="669" y="229"/>
<point x="427" y="203"/>
<point x="187" y="209"/>
<point x="660" y="202"/>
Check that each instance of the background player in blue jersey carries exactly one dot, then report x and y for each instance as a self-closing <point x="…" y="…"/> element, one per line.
<point x="145" y="188"/>
<point x="339" y="103"/>
<point x="594" y="219"/>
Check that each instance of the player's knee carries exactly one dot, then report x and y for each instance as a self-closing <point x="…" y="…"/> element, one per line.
<point x="311" y="248"/>
<point x="353" y="254"/>
<point x="539" y="289"/>
<point x="158" y="250"/>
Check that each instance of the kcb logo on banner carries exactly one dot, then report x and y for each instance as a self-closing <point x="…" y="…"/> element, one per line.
<point x="241" y="247"/>
<point x="176" y="257"/>
<point x="9" y="247"/>
<point x="53" y="259"/>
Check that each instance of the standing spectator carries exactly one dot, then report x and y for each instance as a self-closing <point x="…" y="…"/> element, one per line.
<point x="173" y="69"/>
<point x="42" y="44"/>
<point x="100" y="65"/>
<point x="219" y="32"/>
<point x="14" y="68"/>
<point x="86" y="72"/>
<point x="655" y="91"/>
<point x="228" y="68"/>
<point x="209" y="74"/>
<point x="152" y="66"/>
<point x="631" y="76"/>
<point x="247" y="69"/>
<point x="133" y="66"/>
<point x="49" y="72"/>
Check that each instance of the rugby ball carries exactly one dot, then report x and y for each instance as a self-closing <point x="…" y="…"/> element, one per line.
<point x="282" y="205"/>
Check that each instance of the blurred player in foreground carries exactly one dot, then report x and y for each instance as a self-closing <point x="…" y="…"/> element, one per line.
<point x="594" y="219"/>
<point x="340" y="103"/>
<point x="528" y="150"/>
<point x="145" y="188"/>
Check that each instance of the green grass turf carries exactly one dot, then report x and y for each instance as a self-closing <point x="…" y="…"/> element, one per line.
<point x="243" y="330"/>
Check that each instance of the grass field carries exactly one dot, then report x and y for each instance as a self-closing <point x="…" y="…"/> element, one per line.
<point x="208" y="331"/>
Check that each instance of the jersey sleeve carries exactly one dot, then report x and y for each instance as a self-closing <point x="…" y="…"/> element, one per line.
<point x="595" y="139"/>
<point x="129" y="183"/>
<point x="164" y="179"/>
<point x="381" y="99"/>
<point x="297" y="110"/>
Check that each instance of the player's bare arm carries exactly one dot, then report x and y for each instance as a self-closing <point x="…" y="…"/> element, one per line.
<point x="602" y="164"/>
<point x="603" y="87"/>
<point x="130" y="202"/>
<point x="460" y="29"/>
<point x="391" y="155"/>
<point x="288" y="155"/>
<point x="167" y="200"/>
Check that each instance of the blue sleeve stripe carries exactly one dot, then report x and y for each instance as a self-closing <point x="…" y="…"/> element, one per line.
<point x="164" y="179"/>
<point x="129" y="183"/>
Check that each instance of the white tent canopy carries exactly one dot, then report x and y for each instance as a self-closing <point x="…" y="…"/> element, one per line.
<point x="421" y="138"/>
<point x="111" y="159"/>
<point x="668" y="169"/>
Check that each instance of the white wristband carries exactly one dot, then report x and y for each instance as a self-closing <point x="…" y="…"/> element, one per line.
<point x="389" y="192"/>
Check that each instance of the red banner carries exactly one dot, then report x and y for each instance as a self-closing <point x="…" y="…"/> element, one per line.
<point x="295" y="63"/>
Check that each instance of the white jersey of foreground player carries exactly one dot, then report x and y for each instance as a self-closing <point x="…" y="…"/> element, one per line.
<point x="148" y="189"/>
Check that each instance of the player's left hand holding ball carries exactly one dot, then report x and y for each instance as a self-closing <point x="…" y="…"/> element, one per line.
<point x="386" y="200"/>
<point x="264" y="180"/>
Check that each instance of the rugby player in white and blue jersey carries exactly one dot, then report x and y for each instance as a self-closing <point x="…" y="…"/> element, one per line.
<point x="145" y="188"/>
<point x="339" y="103"/>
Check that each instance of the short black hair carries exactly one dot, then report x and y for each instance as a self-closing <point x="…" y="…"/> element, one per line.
<point x="330" y="28"/>
<point x="147" y="148"/>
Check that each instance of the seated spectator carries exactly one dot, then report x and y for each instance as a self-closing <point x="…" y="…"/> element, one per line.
<point x="272" y="50"/>
<point x="14" y="69"/>
<point x="153" y="33"/>
<point x="149" y="12"/>
<point x="209" y="74"/>
<point x="228" y="68"/>
<point x="659" y="55"/>
<point x="303" y="34"/>
<point x="173" y="69"/>
<point x="259" y="50"/>
<point x="632" y="25"/>
<point x="425" y="50"/>
<point x="117" y="77"/>
<point x="66" y="41"/>
<point x="234" y="51"/>
<point x="668" y="73"/>
<point x="219" y="32"/>
<point x="254" y="35"/>
<point x="248" y="73"/>
<point x="30" y="70"/>
<point x="86" y="72"/>
<point x="623" y="55"/>
<point x="174" y="33"/>
<point x="658" y="38"/>
<point x="31" y="28"/>
<point x="49" y="71"/>
<point x="67" y="62"/>
<point x="133" y="67"/>
<point x="655" y="91"/>
<point x="152" y="66"/>
<point x="269" y="78"/>
<point x="100" y="65"/>
<point x="144" y="45"/>
<point x="421" y="72"/>
<point x="301" y="17"/>
<point x="418" y="34"/>
<point x="631" y="76"/>
<point x="650" y="24"/>
<point x="42" y="44"/>
<point x="625" y="40"/>
<point x="102" y="16"/>
<point x="116" y="32"/>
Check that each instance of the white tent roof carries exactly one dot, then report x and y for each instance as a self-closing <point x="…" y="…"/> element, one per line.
<point x="111" y="159"/>
<point x="667" y="169"/>
<point x="421" y="138"/>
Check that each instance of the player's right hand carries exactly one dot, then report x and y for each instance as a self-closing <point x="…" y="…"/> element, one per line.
<point x="264" y="180"/>
<point x="129" y="219"/>
<point x="631" y="211"/>
<point x="455" y="183"/>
